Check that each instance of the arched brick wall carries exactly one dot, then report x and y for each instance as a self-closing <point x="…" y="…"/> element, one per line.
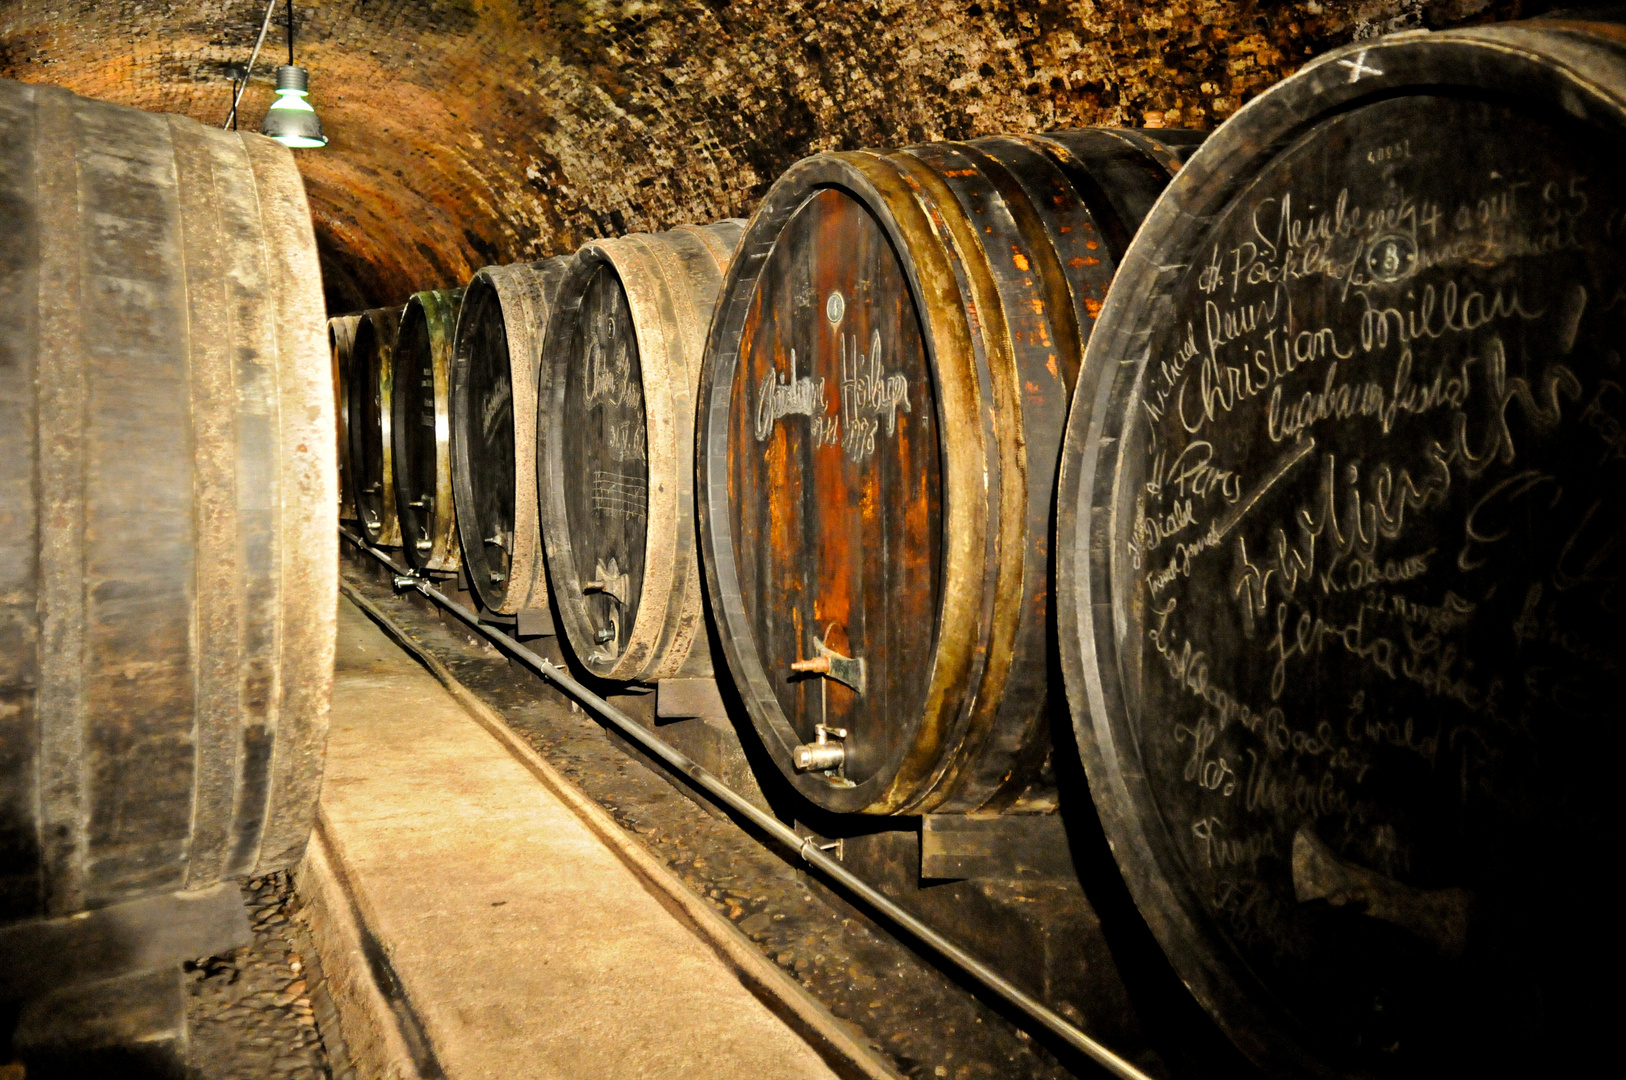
<point x="466" y="132"/>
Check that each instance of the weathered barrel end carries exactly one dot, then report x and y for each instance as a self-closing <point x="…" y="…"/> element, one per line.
<point x="421" y="431"/>
<point x="615" y="446"/>
<point x="494" y="415"/>
<point x="372" y="451"/>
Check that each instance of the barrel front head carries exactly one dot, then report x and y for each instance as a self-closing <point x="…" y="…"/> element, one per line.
<point x="1339" y="561"/>
<point x="494" y="379"/>
<point x="886" y="387"/>
<point x="421" y="431"/>
<point x="372" y="453"/>
<point x="341" y="340"/>
<point x="615" y="446"/>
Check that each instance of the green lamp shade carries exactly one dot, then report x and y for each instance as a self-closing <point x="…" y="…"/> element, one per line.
<point x="291" y="120"/>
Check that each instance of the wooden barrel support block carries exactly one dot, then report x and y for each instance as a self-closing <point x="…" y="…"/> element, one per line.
<point x="167" y="506"/>
<point x="886" y="388"/>
<point x="494" y="381"/>
<point x="341" y="340"/>
<point x="372" y="451"/>
<point x="1339" y="556"/>
<point x="615" y="446"/>
<point x="421" y="431"/>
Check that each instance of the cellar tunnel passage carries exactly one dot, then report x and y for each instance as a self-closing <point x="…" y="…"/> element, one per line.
<point x="470" y="132"/>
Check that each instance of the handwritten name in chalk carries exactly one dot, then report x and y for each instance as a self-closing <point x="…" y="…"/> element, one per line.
<point x="1207" y="771"/>
<point x="609" y="371"/>
<point x="1221" y="850"/>
<point x="1369" y="400"/>
<point x="868" y="394"/>
<point x="496" y="407"/>
<point x="794" y="396"/>
<point x="1353" y="519"/>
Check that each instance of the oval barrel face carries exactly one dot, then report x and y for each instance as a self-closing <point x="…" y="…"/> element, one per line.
<point x="366" y="427"/>
<point x="834" y="482"/>
<point x="421" y="431"/>
<point x="415" y="468"/>
<point x="1364" y="564"/>
<point x="488" y="429"/>
<point x="606" y="462"/>
<point x="341" y="343"/>
<point x="371" y="393"/>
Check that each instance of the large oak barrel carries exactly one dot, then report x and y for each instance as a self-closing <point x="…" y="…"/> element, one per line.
<point x="886" y="386"/>
<point x="372" y="451"/>
<point x="494" y="380"/>
<point x="1340" y="559"/>
<point x="615" y="446"/>
<point x="167" y="506"/>
<point x="341" y="341"/>
<point x="421" y="431"/>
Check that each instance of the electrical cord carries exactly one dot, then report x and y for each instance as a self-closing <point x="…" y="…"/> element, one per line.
<point x="270" y="9"/>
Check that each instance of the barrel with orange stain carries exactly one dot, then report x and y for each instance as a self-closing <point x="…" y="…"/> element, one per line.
<point x="886" y="385"/>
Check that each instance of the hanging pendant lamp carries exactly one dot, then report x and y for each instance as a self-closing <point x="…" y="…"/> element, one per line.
<point x="291" y="120"/>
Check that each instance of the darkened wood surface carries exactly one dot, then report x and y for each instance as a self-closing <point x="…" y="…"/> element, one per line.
<point x="1340" y="555"/>
<point x="372" y="451"/>
<point x="494" y="382"/>
<point x="341" y="341"/>
<point x="167" y="577"/>
<point x="886" y="387"/>
<point x="616" y="443"/>
<point x="421" y="431"/>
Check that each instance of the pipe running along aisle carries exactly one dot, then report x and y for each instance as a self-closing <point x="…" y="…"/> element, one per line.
<point x="806" y="847"/>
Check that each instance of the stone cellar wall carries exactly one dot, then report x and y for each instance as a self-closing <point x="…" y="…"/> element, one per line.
<point x="469" y="132"/>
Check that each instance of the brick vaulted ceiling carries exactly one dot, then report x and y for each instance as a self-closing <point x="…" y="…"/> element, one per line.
<point x="468" y="132"/>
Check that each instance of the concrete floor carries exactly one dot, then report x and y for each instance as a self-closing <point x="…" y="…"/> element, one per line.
<point x="504" y="936"/>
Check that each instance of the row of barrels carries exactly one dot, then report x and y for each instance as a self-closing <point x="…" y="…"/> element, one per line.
<point x="1317" y="511"/>
<point x="880" y="466"/>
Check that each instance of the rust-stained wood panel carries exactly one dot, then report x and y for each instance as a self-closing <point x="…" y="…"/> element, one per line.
<point x="341" y="342"/>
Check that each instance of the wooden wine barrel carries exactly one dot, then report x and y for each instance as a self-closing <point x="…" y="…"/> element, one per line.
<point x="167" y="507"/>
<point x="886" y="385"/>
<point x="372" y="384"/>
<point x="1339" y="556"/>
<point x="494" y="379"/>
<point x="421" y="431"/>
<point x="615" y="439"/>
<point x="341" y="340"/>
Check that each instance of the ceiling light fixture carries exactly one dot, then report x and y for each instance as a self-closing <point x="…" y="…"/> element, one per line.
<point x="291" y="120"/>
